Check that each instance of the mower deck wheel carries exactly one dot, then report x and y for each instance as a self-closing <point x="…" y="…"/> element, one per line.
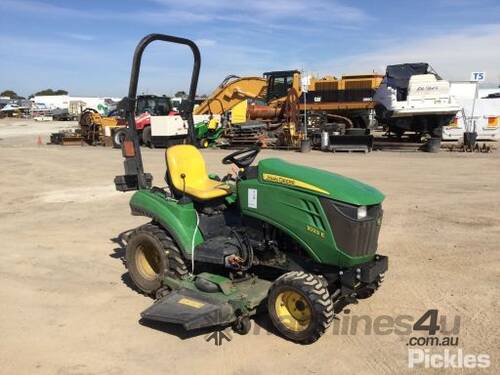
<point x="300" y="306"/>
<point x="242" y="326"/>
<point x="150" y="254"/>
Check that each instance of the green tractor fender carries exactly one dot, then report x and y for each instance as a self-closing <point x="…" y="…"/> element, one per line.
<point x="179" y="220"/>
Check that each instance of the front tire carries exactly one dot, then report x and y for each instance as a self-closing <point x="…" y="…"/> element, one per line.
<point x="204" y="143"/>
<point x="300" y="307"/>
<point x="150" y="255"/>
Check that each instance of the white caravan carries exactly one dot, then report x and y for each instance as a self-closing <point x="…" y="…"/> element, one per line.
<point x="486" y="113"/>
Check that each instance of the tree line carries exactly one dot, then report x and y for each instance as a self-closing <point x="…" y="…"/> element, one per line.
<point x="13" y="95"/>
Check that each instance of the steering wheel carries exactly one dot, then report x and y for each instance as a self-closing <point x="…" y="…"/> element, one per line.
<point x="242" y="158"/>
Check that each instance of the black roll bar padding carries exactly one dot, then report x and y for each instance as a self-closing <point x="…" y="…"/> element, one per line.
<point x="132" y="93"/>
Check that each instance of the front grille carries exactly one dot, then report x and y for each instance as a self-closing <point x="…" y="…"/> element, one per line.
<point x="352" y="236"/>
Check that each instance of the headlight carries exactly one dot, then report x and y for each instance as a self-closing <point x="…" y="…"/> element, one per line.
<point x="362" y="212"/>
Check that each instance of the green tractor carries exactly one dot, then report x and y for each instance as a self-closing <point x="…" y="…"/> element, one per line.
<point x="278" y="237"/>
<point x="208" y="132"/>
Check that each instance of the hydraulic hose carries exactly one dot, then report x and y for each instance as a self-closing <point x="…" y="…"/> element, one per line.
<point x="192" y="242"/>
<point x="245" y="247"/>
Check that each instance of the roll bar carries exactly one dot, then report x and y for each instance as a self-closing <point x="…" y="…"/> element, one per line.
<point x="134" y="177"/>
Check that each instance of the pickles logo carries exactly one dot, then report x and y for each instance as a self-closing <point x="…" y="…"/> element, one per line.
<point x="318" y="232"/>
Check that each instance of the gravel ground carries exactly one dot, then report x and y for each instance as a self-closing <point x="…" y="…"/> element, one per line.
<point x="67" y="307"/>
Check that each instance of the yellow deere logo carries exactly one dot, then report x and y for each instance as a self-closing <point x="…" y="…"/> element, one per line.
<point x="291" y="182"/>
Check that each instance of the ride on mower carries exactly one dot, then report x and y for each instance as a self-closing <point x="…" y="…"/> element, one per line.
<point x="208" y="132"/>
<point x="277" y="237"/>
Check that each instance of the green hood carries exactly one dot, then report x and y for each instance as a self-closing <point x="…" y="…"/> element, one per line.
<point x="317" y="181"/>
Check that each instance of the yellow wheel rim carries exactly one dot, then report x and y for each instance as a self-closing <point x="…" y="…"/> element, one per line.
<point x="148" y="261"/>
<point x="205" y="144"/>
<point x="293" y="310"/>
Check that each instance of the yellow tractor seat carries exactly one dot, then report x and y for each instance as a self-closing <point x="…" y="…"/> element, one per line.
<point x="186" y="160"/>
<point x="213" y="124"/>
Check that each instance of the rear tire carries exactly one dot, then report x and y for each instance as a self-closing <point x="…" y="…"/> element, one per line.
<point x="118" y="137"/>
<point x="150" y="255"/>
<point x="300" y="307"/>
<point x="146" y="137"/>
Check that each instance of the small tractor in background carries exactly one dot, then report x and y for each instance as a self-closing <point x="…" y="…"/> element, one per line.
<point x="153" y="108"/>
<point x="208" y="132"/>
<point x="159" y="124"/>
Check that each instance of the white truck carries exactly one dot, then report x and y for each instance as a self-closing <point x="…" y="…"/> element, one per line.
<point x="486" y="113"/>
<point x="412" y="97"/>
<point x="173" y="129"/>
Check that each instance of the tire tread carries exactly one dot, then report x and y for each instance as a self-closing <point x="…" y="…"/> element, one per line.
<point x="314" y="288"/>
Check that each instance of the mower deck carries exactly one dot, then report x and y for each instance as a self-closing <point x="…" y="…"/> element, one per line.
<point x="207" y="300"/>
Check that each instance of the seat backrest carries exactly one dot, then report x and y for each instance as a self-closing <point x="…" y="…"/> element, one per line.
<point x="188" y="160"/>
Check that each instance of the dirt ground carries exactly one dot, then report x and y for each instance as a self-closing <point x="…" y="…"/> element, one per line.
<point x="66" y="307"/>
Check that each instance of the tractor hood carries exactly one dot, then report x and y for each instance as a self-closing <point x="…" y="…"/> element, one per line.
<point x="317" y="181"/>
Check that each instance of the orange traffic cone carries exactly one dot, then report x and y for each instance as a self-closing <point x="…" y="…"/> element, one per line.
<point x="39" y="141"/>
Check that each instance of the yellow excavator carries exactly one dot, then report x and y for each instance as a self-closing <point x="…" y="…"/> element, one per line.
<point x="239" y="100"/>
<point x="231" y="92"/>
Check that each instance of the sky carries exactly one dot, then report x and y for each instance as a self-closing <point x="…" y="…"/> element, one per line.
<point x="86" y="46"/>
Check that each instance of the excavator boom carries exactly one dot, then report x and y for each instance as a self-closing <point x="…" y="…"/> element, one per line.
<point x="231" y="92"/>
